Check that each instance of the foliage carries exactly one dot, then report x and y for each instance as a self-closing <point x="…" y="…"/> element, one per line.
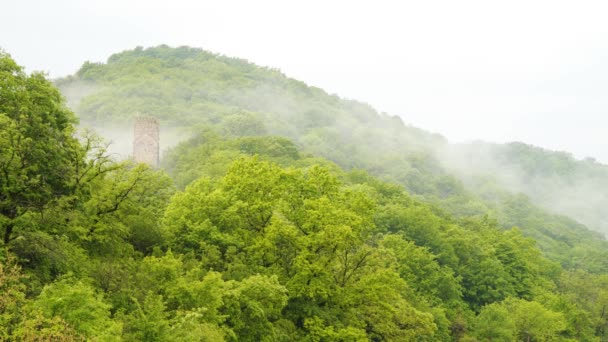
<point x="262" y="241"/>
<point x="188" y="87"/>
<point x="79" y="305"/>
<point x="38" y="154"/>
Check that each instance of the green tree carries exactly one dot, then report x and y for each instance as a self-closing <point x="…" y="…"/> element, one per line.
<point x="19" y="320"/>
<point x="252" y="306"/>
<point x="81" y="307"/>
<point x="534" y="322"/>
<point x="148" y="322"/>
<point x="423" y="273"/>
<point x="12" y="296"/>
<point x="124" y="209"/>
<point x="39" y="154"/>
<point x="495" y="323"/>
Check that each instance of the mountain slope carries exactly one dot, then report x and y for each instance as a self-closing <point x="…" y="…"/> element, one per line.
<point x="265" y="243"/>
<point x="554" y="180"/>
<point x="188" y="87"/>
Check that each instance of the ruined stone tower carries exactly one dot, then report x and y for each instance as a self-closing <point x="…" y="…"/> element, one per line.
<point x="146" y="141"/>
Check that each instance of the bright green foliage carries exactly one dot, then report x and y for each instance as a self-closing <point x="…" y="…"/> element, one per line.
<point x="261" y="218"/>
<point x="521" y="320"/>
<point x="307" y="230"/>
<point x="125" y="207"/>
<point x="12" y="296"/>
<point x="148" y="322"/>
<point x="37" y="327"/>
<point x="586" y="300"/>
<point x="189" y="327"/>
<point x="81" y="307"/>
<point x="423" y="273"/>
<point x="251" y="307"/>
<point x="535" y="322"/>
<point x="38" y="154"/>
<point x="203" y="296"/>
<point x="208" y="154"/>
<point x="495" y="323"/>
<point x="384" y="312"/>
<point x="18" y="320"/>
<point x="187" y="87"/>
<point x="264" y="242"/>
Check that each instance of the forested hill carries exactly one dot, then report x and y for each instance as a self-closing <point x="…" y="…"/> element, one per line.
<point x="187" y="87"/>
<point x="554" y="180"/>
<point x="247" y="236"/>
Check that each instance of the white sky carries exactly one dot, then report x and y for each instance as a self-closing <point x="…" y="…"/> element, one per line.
<point x="532" y="71"/>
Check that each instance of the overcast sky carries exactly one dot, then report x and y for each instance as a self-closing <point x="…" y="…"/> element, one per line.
<point x="531" y="71"/>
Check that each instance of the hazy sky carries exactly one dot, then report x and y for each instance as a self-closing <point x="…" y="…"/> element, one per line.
<point x="532" y="71"/>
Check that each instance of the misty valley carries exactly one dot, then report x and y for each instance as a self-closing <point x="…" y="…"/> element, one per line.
<point x="266" y="209"/>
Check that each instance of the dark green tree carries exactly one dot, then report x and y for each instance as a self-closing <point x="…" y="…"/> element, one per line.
<point x="39" y="154"/>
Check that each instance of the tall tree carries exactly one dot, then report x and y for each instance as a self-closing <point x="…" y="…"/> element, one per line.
<point x="39" y="154"/>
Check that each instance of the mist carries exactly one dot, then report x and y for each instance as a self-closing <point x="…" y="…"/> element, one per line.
<point x="119" y="138"/>
<point x="459" y="69"/>
<point x="328" y="170"/>
<point x="199" y="90"/>
<point x="557" y="181"/>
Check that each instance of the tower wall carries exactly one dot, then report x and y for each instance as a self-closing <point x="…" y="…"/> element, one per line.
<point x="146" y="141"/>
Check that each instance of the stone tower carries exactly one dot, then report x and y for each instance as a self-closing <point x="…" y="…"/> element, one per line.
<point x="146" y="141"/>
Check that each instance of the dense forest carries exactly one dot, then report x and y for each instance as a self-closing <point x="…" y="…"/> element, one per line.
<point x="287" y="214"/>
<point x="554" y="180"/>
<point x="187" y="87"/>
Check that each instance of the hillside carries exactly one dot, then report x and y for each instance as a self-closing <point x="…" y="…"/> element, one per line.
<point x="187" y="87"/>
<point x="248" y="236"/>
<point x="554" y="180"/>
